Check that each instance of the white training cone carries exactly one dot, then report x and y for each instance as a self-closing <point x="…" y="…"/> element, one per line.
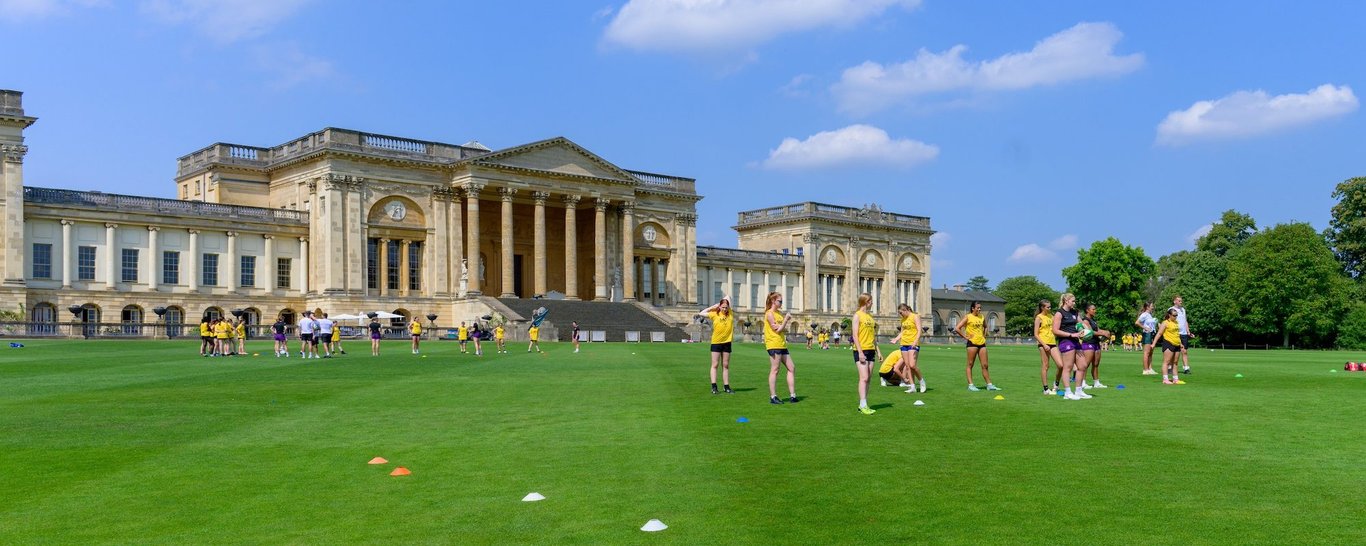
<point x="654" y="525"/>
<point x="919" y="402"/>
<point x="532" y="497"/>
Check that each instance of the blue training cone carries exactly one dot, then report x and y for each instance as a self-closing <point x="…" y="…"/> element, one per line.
<point x="1120" y="387"/>
<point x="742" y="420"/>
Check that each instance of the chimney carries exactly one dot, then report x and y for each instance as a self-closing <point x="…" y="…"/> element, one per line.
<point x="11" y="102"/>
<point x="960" y="288"/>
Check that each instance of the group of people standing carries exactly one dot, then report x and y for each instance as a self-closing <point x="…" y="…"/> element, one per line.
<point x="1071" y="340"/>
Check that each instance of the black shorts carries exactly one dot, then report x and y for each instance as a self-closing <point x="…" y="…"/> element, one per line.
<point x="891" y="377"/>
<point x="1168" y="346"/>
<point x="1046" y="346"/>
<point x="972" y="345"/>
<point x="205" y="339"/>
<point x="306" y="338"/>
<point x="720" y="347"/>
<point x="778" y="352"/>
<point x="1185" y="340"/>
<point x="325" y="337"/>
<point x="869" y="355"/>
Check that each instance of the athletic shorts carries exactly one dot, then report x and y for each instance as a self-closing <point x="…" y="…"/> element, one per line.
<point x="324" y="337"/>
<point x="1185" y="341"/>
<point x="315" y="340"/>
<point x="1089" y="346"/>
<point x="306" y="338"/>
<point x="279" y="337"/>
<point x="415" y="336"/>
<point x="464" y="340"/>
<point x="720" y="347"/>
<point x="915" y="348"/>
<point x="1167" y="346"/>
<point x="375" y="335"/>
<point x="1068" y="345"/>
<point x="1046" y="346"/>
<point x="891" y="377"/>
<point x="1148" y="337"/>
<point x="206" y="339"/>
<point x="974" y="345"/>
<point x="870" y="356"/>
<point x="778" y="352"/>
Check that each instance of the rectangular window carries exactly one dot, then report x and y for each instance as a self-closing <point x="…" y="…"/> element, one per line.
<point x="130" y="265"/>
<point x="85" y="263"/>
<point x="392" y="266"/>
<point x="415" y="266"/>
<point x="42" y="260"/>
<point x="248" y="272"/>
<point x="210" y="273"/>
<point x="282" y="275"/>
<point x="170" y="267"/>
<point x="372" y="264"/>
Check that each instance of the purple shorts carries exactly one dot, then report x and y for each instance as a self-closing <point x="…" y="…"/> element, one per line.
<point x="1068" y="345"/>
<point x="374" y="335"/>
<point x="1086" y="346"/>
<point x="279" y="337"/>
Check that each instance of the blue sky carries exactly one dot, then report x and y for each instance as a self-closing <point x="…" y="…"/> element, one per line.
<point x="1023" y="131"/>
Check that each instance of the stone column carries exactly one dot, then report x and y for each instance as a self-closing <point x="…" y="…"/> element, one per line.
<point x="403" y="268"/>
<point x="303" y="263"/>
<point x="193" y="264"/>
<point x="687" y="229"/>
<point x="600" y="249"/>
<point x="383" y="251"/>
<point x="12" y="184"/>
<point x="810" y="265"/>
<point x="628" y="251"/>
<point x="472" y="190"/>
<point x="505" y="242"/>
<point x="538" y="257"/>
<point x="111" y="245"/>
<point x="271" y="269"/>
<point x="68" y="253"/>
<point x="782" y="289"/>
<point x="234" y="268"/>
<point x="662" y="275"/>
<point x="854" y="277"/>
<point x="153" y="255"/>
<point x="455" y="243"/>
<point x="571" y="247"/>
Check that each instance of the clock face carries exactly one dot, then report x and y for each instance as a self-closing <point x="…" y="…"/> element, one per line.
<point x="649" y="234"/>
<point x="396" y="211"/>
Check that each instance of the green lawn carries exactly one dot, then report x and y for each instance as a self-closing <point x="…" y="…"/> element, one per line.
<point x="145" y="442"/>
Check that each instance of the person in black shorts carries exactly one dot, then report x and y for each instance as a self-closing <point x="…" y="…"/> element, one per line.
<point x="375" y="336"/>
<point x="722" y="332"/>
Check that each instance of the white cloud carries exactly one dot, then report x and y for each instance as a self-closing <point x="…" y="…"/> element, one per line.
<point x="1201" y="232"/>
<point x="797" y="86"/>
<point x="940" y="240"/>
<point x="27" y="10"/>
<point x="1249" y="113"/>
<point x="855" y="144"/>
<point x="1031" y="253"/>
<point x="225" y="21"/>
<point x="289" y="66"/>
<point x="1081" y="52"/>
<point x="731" y="25"/>
<point x="1065" y="242"/>
<point x="603" y="13"/>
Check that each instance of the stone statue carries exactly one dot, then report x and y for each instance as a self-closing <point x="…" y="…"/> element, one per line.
<point x="464" y="270"/>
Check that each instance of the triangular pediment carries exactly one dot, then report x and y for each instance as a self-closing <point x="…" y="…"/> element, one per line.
<point x="556" y="155"/>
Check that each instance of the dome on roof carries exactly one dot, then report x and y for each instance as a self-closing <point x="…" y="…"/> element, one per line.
<point x="476" y="145"/>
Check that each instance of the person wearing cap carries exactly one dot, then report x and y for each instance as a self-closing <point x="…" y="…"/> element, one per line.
<point x="722" y="333"/>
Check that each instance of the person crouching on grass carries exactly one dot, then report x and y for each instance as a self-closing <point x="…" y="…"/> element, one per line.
<point x="534" y="333"/>
<point x="776" y="344"/>
<point x="722" y="333"/>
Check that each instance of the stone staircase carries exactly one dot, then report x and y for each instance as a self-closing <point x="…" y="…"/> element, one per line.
<point x="612" y="317"/>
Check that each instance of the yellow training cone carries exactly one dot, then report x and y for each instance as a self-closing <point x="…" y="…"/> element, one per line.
<point x="999" y="397"/>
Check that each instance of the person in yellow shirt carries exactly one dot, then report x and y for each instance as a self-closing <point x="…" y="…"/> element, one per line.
<point x="221" y="334"/>
<point x="498" y="339"/>
<point x="909" y="340"/>
<point x="534" y="332"/>
<point x="1048" y="345"/>
<point x="462" y="334"/>
<point x="866" y="351"/>
<point x="809" y="338"/>
<point x="972" y="329"/>
<point x="206" y="337"/>
<point x="415" y="332"/>
<point x="240" y="332"/>
<point x="775" y="342"/>
<point x="722" y="333"/>
<point x="1169" y="339"/>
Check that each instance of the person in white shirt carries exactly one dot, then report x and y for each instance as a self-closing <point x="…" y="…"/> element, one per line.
<point x="308" y="346"/>
<point x="324" y="335"/>
<point x="1185" y="331"/>
<point x="1148" y="324"/>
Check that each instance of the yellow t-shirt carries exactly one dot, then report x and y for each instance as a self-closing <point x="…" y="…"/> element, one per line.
<point x="535" y="333"/>
<point x="910" y="335"/>
<point x="242" y="330"/>
<point x="890" y="362"/>
<point x="866" y="336"/>
<point x="463" y="333"/>
<point x="336" y="333"/>
<point x="722" y="327"/>
<point x="772" y="338"/>
<point x="1045" y="332"/>
<point x="973" y="330"/>
<point x="221" y="330"/>
<point x="498" y="333"/>
<point x="1172" y="333"/>
<point x="415" y="328"/>
<point x="204" y="329"/>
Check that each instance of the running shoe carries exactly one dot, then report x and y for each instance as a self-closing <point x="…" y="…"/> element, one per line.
<point x="991" y="387"/>
<point x="867" y="410"/>
<point x="910" y="390"/>
<point x="884" y="382"/>
<point x="922" y="388"/>
<point x="973" y="388"/>
<point x="775" y="400"/>
<point x="793" y="400"/>
<point x="1071" y="396"/>
<point x="1186" y="370"/>
<point x="1168" y="382"/>
<point x="1047" y="391"/>
<point x="1082" y="395"/>
<point x="714" y="391"/>
<point x="1180" y="382"/>
<point x="1099" y="385"/>
<point x="728" y="391"/>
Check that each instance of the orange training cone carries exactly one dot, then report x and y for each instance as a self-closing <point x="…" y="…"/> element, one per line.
<point x="378" y="460"/>
<point x="400" y="471"/>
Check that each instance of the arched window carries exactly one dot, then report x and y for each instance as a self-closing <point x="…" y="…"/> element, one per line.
<point x="131" y="318"/>
<point x="400" y="322"/>
<point x="213" y="313"/>
<point x="89" y="317"/>
<point x="251" y="315"/>
<point x="288" y="316"/>
<point x="175" y="317"/>
<point x="44" y="317"/>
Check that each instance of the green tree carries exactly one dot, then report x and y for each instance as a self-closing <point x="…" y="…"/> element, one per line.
<point x="1167" y="269"/>
<point x="1022" y="295"/>
<point x="1346" y="233"/>
<point x="1112" y="276"/>
<point x="1231" y="231"/>
<point x="978" y="283"/>
<point x="1352" y="329"/>
<point x="1201" y="282"/>
<point x="1286" y="281"/>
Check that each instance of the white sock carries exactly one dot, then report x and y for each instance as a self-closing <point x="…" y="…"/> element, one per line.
<point x="863" y="403"/>
<point x="1069" y="391"/>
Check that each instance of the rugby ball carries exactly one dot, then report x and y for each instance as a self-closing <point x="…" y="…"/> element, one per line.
<point x="1086" y="333"/>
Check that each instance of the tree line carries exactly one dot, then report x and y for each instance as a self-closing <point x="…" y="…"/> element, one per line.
<point x="1286" y="285"/>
